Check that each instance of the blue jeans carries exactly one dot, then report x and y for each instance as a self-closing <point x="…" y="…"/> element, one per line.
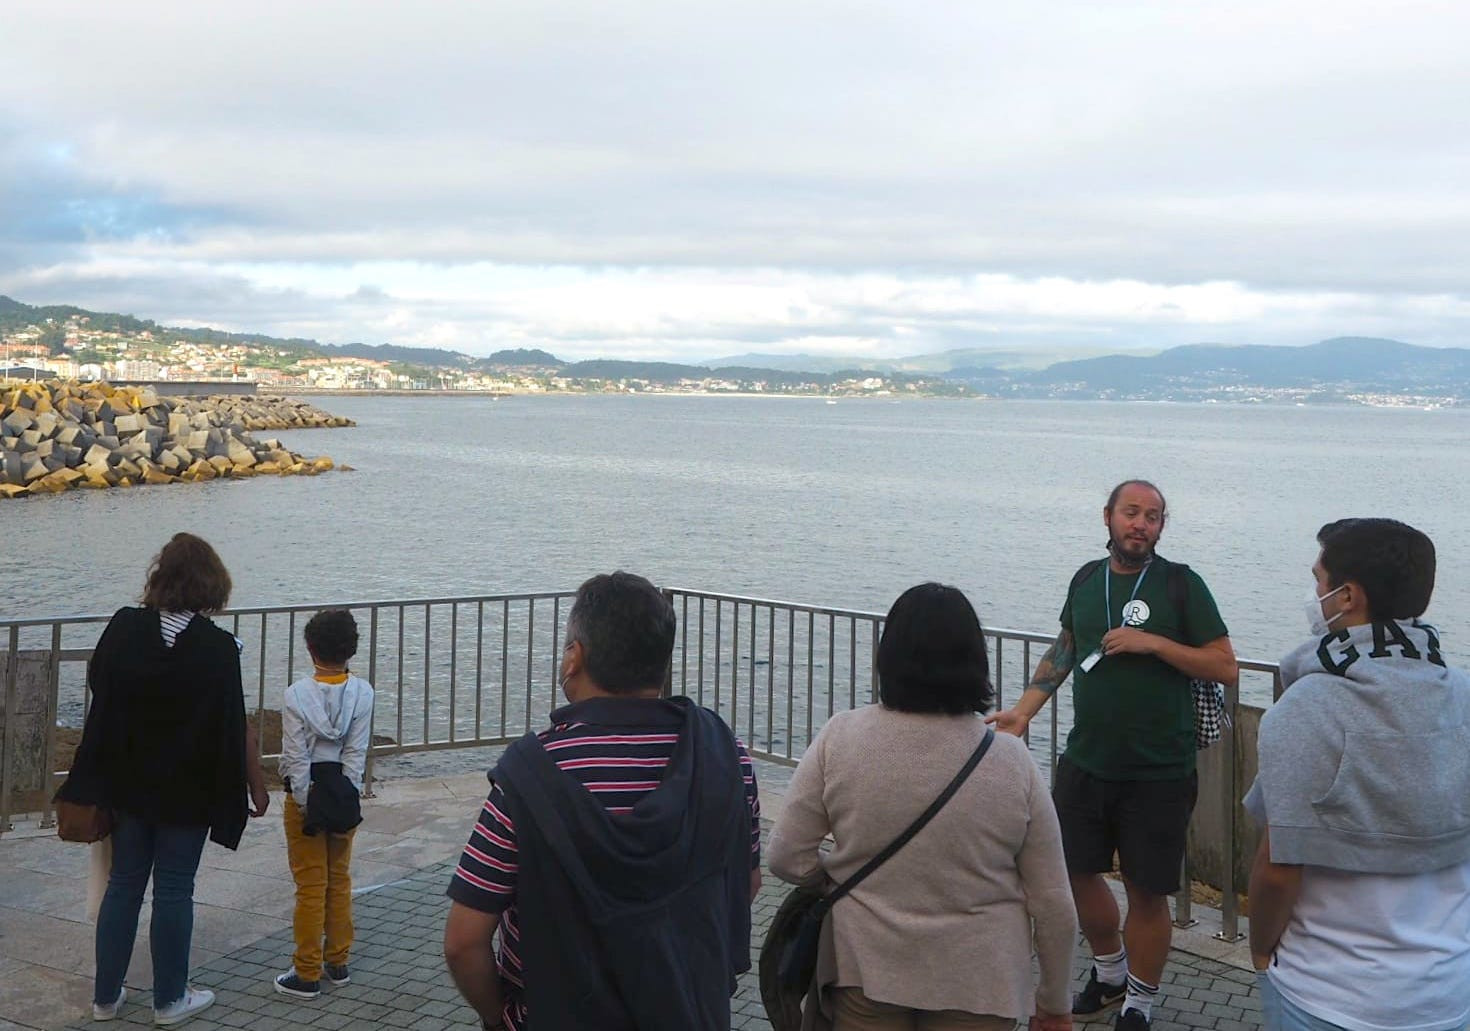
<point x="171" y="855"/>
<point x="1281" y="1014"/>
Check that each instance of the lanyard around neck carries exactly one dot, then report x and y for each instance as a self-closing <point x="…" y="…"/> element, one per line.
<point x="1108" y="588"/>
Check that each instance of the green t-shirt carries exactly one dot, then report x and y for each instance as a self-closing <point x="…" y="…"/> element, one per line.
<point x="1133" y="715"/>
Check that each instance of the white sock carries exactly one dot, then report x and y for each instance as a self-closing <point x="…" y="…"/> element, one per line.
<point x="1112" y="969"/>
<point x="1140" y="996"/>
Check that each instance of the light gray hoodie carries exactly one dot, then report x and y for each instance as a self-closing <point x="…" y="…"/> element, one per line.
<point x="325" y="723"/>
<point x="1365" y="760"/>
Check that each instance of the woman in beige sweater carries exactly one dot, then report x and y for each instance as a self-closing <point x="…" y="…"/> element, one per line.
<point x="940" y="936"/>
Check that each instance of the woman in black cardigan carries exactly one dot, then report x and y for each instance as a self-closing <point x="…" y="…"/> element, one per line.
<point x="164" y="747"/>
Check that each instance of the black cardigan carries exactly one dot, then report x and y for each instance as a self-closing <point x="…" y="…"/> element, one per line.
<point x="165" y="737"/>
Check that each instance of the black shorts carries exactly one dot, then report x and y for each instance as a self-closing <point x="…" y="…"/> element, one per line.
<point x="1144" y="821"/>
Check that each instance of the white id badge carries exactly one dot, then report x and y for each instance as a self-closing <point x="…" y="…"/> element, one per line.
<point x="1091" y="661"/>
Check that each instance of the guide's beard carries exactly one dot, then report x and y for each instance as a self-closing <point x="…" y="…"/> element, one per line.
<point x="1131" y="553"/>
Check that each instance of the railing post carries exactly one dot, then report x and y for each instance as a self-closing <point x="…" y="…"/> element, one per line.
<point x="873" y="685"/>
<point x="735" y="670"/>
<point x="367" y="773"/>
<point x="8" y="756"/>
<point x="668" y="691"/>
<point x="260" y="695"/>
<point x="429" y="664"/>
<point x="1229" y="905"/>
<point x="770" y="678"/>
<point x="530" y="663"/>
<point x="1183" y="899"/>
<point x="12" y="672"/>
<point x="48" y="755"/>
<point x="1000" y="675"/>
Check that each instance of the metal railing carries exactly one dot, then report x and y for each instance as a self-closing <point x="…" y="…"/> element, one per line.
<point x="777" y="670"/>
<point x="480" y="671"/>
<point x="447" y="672"/>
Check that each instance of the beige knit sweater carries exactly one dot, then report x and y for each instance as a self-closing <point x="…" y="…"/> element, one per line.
<point x="949" y="922"/>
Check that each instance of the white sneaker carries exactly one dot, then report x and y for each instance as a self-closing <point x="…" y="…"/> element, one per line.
<point x="100" y="1012"/>
<point x="194" y="1000"/>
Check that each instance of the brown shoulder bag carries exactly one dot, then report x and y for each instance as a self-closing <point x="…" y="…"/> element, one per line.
<point x="82" y="821"/>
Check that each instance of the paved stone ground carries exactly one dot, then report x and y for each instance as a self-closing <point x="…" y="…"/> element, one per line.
<point x="399" y="980"/>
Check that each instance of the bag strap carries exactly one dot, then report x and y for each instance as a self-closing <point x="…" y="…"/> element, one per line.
<point x="918" y="825"/>
<point x="1083" y="574"/>
<point x="1179" y="593"/>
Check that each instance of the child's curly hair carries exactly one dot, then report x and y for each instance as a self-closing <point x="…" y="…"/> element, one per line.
<point x="331" y="635"/>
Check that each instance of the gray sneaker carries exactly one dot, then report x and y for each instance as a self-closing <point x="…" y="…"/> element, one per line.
<point x="337" y="973"/>
<point x="109" y="1012"/>
<point x="194" y="1001"/>
<point x="292" y="983"/>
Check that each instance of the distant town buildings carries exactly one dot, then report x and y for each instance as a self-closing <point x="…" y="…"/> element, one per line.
<point x="94" y="353"/>
<point x="99" y="354"/>
<point x="121" y="348"/>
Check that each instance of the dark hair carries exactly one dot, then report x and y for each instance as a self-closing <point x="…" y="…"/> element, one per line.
<point x="932" y="655"/>
<point x="331" y="635"/>
<point x="187" y="576"/>
<point x="1392" y="561"/>
<point x="626" y="629"/>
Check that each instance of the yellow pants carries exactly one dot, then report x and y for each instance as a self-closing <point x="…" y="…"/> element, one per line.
<point x="321" y="865"/>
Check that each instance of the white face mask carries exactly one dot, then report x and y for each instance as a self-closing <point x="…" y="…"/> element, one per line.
<point x="1319" y="623"/>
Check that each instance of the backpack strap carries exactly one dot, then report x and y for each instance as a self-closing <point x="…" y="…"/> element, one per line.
<point x="1083" y="573"/>
<point x="1178" y="588"/>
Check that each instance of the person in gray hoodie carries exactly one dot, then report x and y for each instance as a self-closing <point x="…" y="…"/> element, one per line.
<point x="326" y="728"/>
<point x="1360" y="892"/>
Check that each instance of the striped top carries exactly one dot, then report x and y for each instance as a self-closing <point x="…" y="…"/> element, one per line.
<point x="619" y="766"/>
<point x="172" y="624"/>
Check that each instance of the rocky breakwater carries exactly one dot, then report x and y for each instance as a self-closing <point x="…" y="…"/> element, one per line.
<point x="55" y="436"/>
<point x="274" y="413"/>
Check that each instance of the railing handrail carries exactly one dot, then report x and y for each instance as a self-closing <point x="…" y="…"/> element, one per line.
<point x="1008" y="633"/>
<point x="272" y="610"/>
<point x="794" y="606"/>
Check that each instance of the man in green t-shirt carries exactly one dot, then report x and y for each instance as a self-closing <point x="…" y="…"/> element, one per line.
<point x="1136" y="629"/>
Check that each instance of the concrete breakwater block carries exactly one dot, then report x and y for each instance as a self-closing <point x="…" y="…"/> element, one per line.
<point x="59" y="435"/>
<point x="264" y="412"/>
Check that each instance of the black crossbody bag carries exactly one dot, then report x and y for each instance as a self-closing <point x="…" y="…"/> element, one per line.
<point x="797" y="927"/>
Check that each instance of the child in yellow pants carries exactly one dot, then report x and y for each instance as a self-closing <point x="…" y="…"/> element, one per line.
<point x="326" y="728"/>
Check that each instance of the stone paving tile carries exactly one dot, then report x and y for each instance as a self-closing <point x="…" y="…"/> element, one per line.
<point x="399" y="980"/>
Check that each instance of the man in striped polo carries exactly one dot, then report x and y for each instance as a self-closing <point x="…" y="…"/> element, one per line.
<point x="618" y="850"/>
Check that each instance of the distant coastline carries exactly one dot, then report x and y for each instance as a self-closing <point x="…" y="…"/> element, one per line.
<point x="292" y="390"/>
<point x="72" y="343"/>
<point x="1406" y="402"/>
<point x="289" y="390"/>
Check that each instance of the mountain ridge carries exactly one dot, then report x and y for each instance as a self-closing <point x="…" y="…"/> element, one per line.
<point x="1334" y="366"/>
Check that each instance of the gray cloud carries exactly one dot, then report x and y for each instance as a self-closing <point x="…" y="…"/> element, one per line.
<point x="1310" y="153"/>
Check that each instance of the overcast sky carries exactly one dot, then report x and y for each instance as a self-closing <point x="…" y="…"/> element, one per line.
<point x="677" y="179"/>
